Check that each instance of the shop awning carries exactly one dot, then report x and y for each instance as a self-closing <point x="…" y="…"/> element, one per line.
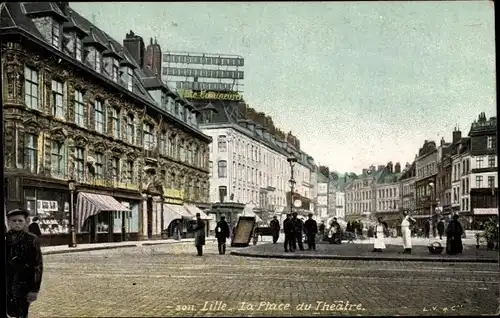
<point x="88" y="204"/>
<point x="173" y="212"/>
<point x="193" y="209"/>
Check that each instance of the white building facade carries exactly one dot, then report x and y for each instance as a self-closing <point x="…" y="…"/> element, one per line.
<point x="248" y="165"/>
<point x="322" y="199"/>
<point x="340" y="204"/>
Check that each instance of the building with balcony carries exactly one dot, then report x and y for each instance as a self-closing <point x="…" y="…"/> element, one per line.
<point x="444" y="178"/>
<point x="88" y="131"/>
<point x="425" y="183"/>
<point x="249" y="165"/>
<point x="360" y="197"/>
<point x="484" y="168"/>
<point x="387" y="192"/>
<point x="407" y="188"/>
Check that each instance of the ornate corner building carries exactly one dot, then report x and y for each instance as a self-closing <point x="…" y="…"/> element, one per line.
<point x="86" y="128"/>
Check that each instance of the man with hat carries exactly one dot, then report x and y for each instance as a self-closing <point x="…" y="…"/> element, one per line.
<point x="199" y="234"/>
<point x="222" y="233"/>
<point x="23" y="265"/>
<point x="311" y="229"/>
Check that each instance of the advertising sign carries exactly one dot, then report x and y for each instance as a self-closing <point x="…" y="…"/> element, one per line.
<point x="189" y="94"/>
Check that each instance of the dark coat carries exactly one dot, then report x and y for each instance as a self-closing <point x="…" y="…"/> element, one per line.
<point x="34" y="228"/>
<point x="224" y="229"/>
<point x="311" y="227"/>
<point x="275" y="226"/>
<point x="298" y="225"/>
<point x="288" y="226"/>
<point x="440" y="227"/>
<point x="199" y="232"/>
<point x="454" y="238"/>
<point x="23" y="264"/>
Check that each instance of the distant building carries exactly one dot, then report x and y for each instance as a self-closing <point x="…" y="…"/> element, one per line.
<point x="425" y="183"/>
<point x="407" y="188"/>
<point x="387" y="192"/>
<point x="484" y="168"/>
<point x="322" y="195"/>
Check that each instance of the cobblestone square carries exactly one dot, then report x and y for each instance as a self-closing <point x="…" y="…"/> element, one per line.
<point x="169" y="280"/>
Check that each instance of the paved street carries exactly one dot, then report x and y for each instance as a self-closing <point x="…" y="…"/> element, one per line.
<point x="169" y="280"/>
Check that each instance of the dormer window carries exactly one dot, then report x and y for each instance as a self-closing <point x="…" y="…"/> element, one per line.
<point x="114" y="70"/>
<point x="78" y="48"/>
<point x="98" y="61"/>
<point x="130" y="76"/>
<point x="56" y="32"/>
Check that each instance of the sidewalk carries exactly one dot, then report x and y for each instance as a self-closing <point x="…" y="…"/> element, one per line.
<point x="63" y="249"/>
<point x="363" y="251"/>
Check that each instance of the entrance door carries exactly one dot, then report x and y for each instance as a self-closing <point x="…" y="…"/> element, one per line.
<point x="150" y="217"/>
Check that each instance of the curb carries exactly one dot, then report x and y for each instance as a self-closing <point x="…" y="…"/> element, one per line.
<point x="87" y="249"/>
<point x="98" y="248"/>
<point x="365" y="258"/>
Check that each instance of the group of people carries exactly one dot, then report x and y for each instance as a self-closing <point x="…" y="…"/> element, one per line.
<point x="294" y="229"/>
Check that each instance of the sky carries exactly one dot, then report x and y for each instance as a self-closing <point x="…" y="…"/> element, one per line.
<point x="358" y="83"/>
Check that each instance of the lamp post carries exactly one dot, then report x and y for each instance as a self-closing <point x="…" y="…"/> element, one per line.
<point x="431" y="210"/>
<point x="72" y="233"/>
<point x="291" y="161"/>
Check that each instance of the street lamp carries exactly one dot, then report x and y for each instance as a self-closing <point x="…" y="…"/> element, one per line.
<point x="72" y="233"/>
<point x="431" y="210"/>
<point x="291" y="161"/>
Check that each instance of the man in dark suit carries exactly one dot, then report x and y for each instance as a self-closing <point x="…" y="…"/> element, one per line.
<point x="23" y="265"/>
<point x="222" y="233"/>
<point x="311" y="229"/>
<point x="289" y="233"/>
<point x="298" y="226"/>
<point x="34" y="228"/>
<point x="275" y="229"/>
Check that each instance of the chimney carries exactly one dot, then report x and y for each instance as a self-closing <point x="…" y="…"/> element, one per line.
<point x="365" y="171"/>
<point x="397" y="168"/>
<point x="389" y="166"/>
<point x="442" y="141"/>
<point x="150" y="41"/>
<point x="457" y="135"/>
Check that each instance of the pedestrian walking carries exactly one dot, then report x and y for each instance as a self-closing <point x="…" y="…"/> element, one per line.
<point x="427" y="229"/>
<point x="380" y="233"/>
<point x="199" y="234"/>
<point x="222" y="233"/>
<point x="311" y="229"/>
<point x="321" y="229"/>
<point x="34" y="227"/>
<point x="440" y="228"/>
<point x="23" y="265"/>
<point x="335" y="230"/>
<point x="289" y="233"/>
<point x="454" y="237"/>
<point x="298" y="227"/>
<point x="274" y="225"/>
<point x="406" y="231"/>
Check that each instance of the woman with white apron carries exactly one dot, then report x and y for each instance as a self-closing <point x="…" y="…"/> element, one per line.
<point x="406" y="232"/>
<point x="379" y="236"/>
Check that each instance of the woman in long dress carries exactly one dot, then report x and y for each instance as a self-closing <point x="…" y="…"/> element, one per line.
<point x="380" y="230"/>
<point x="406" y="232"/>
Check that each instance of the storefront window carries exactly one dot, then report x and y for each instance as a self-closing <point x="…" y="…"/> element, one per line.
<point x="51" y="206"/>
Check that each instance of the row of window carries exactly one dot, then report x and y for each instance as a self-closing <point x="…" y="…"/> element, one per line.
<point x="249" y="195"/>
<point x="170" y="146"/>
<point x="186" y="59"/>
<point x="388" y="205"/>
<point x="122" y="170"/>
<point x="190" y="72"/>
<point x="387" y="193"/>
<point x="491" y="142"/>
<point x="428" y="170"/>
<point x="356" y="208"/>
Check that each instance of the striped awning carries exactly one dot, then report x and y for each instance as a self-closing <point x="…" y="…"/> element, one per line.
<point x="88" y="204"/>
<point x="178" y="209"/>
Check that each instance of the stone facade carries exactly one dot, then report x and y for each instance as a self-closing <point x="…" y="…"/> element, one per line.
<point x="159" y="173"/>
